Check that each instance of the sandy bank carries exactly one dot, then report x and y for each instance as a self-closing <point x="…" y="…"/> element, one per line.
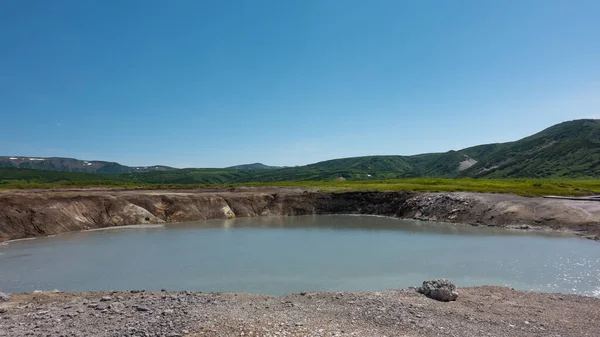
<point x="31" y="213"/>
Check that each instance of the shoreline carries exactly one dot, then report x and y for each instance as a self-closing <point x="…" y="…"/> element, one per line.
<point x="516" y="229"/>
<point x="478" y="311"/>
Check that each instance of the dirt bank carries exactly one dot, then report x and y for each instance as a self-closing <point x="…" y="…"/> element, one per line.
<point x="479" y="311"/>
<point x="30" y="213"/>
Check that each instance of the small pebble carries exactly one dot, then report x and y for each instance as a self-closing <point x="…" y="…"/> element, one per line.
<point x="142" y="308"/>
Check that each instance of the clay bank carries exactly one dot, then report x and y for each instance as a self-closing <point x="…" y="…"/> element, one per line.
<point x="32" y="213"/>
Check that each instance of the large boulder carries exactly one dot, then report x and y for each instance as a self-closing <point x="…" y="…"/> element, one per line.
<point x="440" y="289"/>
<point x="4" y="297"/>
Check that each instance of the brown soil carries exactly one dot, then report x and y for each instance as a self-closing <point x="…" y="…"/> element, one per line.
<point x="479" y="311"/>
<point x="30" y="213"/>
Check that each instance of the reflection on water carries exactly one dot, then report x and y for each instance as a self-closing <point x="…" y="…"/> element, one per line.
<point x="292" y="254"/>
<point x="360" y="222"/>
<point x="122" y="227"/>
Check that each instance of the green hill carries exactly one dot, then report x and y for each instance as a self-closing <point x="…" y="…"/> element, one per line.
<point x="566" y="150"/>
<point x="18" y="176"/>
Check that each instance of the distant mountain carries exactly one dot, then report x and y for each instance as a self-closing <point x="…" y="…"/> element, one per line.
<point x="566" y="150"/>
<point x="255" y="166"/>
<point x="75" y="165"/>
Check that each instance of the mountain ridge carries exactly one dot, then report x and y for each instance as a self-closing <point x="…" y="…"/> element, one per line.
<point x="253" y="166"/>
<point x="62" y="164"/>
<point x="567" y="150"/>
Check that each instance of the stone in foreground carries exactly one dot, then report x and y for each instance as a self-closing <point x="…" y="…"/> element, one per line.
<point x="439" y="289"/>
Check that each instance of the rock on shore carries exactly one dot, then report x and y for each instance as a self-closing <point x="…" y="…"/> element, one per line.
<point x="441" y="290"/>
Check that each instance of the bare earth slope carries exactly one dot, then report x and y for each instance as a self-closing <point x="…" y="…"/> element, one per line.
<point x="479" y="311"/>
<point x="30" y="213"/>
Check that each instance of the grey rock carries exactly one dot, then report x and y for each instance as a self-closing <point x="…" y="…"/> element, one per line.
<point x="117" y="307"/>
<point x="439" y="289"/>
<point x="4" y="297"/>
<point x="142" y="308"/>
<point x="101" y="306"/>
<point x="106" y="299"/>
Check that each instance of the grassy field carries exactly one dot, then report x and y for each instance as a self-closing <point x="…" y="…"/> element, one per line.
<point x="523" y="187"/>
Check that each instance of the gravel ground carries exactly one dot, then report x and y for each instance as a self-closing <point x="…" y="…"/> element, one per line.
<point x="479" y="311"/>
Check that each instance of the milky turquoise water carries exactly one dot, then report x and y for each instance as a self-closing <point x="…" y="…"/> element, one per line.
<point x="277" y="255"/>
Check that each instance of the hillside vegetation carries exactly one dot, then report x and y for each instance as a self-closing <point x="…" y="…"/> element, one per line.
<point x="569" y="150"/>
<point x="22" y="178"/>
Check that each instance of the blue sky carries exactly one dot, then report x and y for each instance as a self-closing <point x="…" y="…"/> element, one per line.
<point x="219" y="83"/>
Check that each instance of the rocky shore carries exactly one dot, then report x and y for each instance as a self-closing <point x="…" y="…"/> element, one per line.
<point x="31" y="213"/>
<point x="478" y="311"/>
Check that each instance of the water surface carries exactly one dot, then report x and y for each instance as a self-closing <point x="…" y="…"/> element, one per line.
<point x="277" y="255"/>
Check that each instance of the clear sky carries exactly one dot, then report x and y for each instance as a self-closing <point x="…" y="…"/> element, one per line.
<point x="218" y="83"/>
